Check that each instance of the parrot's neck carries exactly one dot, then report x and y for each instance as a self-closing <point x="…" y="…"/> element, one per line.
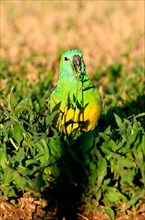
<point x="69" y="83"/>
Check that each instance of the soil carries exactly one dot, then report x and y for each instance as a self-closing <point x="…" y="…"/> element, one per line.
<point x="30" y="209"/>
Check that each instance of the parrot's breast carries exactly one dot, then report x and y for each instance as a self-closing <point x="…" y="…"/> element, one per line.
<point x="82" y="112"/>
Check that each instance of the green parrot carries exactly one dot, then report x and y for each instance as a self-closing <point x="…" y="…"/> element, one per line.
<point x="76" y="100"/>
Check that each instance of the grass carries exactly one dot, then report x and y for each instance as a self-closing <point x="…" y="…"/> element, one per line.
<point x="104" y="168"/>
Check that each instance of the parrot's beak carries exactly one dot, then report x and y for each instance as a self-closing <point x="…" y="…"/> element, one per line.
<point x="77" y="60"/>
<point x="77" y="66"/>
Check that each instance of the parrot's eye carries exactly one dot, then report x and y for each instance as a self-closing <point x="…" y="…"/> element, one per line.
<point x="66" y="59"/>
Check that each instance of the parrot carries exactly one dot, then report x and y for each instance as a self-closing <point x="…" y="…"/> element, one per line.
<point x="75" y="99"/>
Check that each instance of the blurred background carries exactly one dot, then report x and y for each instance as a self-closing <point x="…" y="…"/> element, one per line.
<point x="104" y="30"/>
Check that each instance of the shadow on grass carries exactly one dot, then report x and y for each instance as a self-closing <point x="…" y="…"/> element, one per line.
<point x="65" y="194"/>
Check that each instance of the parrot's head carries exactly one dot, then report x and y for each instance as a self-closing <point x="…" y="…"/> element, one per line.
<point x="72" y="63"/>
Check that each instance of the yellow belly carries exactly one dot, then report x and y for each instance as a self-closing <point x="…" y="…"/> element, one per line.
<point x="85" y="120"/>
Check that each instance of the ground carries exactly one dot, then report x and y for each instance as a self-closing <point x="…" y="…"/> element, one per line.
<point x="28" y="209"/>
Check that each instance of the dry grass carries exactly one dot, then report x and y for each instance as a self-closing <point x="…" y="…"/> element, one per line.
<point x="29" y="209"/>
<point x="103" y="30"/>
